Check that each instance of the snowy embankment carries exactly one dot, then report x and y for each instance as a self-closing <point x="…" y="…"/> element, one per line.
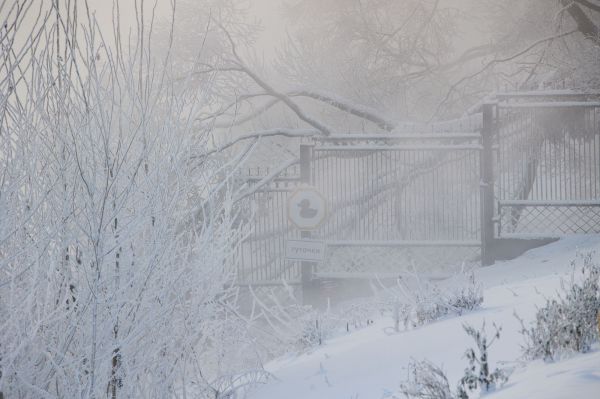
<point x="371" y="363"/>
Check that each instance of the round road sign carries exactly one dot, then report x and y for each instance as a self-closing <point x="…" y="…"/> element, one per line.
<point x="307" y="208"/>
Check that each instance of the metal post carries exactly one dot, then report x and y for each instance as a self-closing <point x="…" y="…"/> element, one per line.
<point x="487" y="185"/>
<point x="306" y="268"/>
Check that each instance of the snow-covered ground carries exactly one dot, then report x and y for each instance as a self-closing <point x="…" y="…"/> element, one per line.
<point x="371" y="363"/>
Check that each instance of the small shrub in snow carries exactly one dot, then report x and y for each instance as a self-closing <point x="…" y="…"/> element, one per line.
<point x="434" y="304"/>
<point x="415" y="303"/>
<point x="426" y="381"/>
<point x="315" y="328"/>
<point x="569" y="322"/>
<point x="236" y="385"/>
<point x="466" y="298"/>
<point x="478" y="375"/>
<point x="429" y="305"/>
<point x="287" y="324"/>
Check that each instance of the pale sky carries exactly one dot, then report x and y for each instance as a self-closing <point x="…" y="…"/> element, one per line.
<point x="268" y="12"/>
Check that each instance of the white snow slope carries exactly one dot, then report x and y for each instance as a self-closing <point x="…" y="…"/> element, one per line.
<point x="370" y="363"/>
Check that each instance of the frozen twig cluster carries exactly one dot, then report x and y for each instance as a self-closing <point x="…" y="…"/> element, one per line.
<point x="287" y="324"/>
<point x="414" y="302"/>
<point x="478" y="375"/>
<point x="428" y="381"/>
<point x="117" y="243"/>
<point x="568" y="323"/>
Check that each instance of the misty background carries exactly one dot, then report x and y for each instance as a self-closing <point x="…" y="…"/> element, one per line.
<point x="150" y="152"/>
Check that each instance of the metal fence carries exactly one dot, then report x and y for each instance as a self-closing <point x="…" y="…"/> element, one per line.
<point x="547" y="166"/>
<point x="391" y="200"/>
<point x="262" y="254"/>
<point x="419" y="190"/>
<point x="529" y="167"/>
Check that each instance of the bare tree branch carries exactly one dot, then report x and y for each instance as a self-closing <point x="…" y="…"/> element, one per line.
<point x="584" y="24"/>
<point x="291" y="133"/>
<point x="335" y="101"/>
<point x="346" y="106"/>
<point x="589" y="5"/>
<point x="269" y="89"/>
<point x="495" y="62"/>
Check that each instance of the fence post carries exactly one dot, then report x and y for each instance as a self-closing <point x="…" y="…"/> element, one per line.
<point x="487" y="184"/>
<point x="306" y="268"/>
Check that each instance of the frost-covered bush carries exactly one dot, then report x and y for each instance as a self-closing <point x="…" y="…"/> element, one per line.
<point x="428" y="381"/>
<point x="434" y="303"/>
<point x="316" y="327"/>
<point x="414" y="302"/>
<point x="119" y="224"/>
<point x="425" y="381"/>
<point x="567" y="323"/>
<point x="312" y="327"/>
<point x="287" y="325"/>
<point x="236" y="385"/>
<point x="467" y="297"/>
<point x="282" y="324"/>
<point x="477" y="374"/>
<point x="429" y="305"/>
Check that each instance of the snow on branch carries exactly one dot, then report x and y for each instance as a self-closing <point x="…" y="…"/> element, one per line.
<point x="496" y="61"/>
<point x="292" y="133"/>
<point x="331" y="99"/>
<point x="347" y="106"/>
<point x="239" y="65"/>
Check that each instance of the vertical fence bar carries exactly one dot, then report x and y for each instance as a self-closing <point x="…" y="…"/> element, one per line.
<point x="306" y="268"/>
<point x="487" y="185"/>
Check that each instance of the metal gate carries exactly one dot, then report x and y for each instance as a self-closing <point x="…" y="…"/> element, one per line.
<point x="416" y="194"/>
<point x="528" y="167"/>
<point x="547" y="164"/>
<point x="407" y="191"/>
<point x="262" y="254"/>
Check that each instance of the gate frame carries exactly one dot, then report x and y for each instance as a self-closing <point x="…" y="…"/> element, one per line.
<point x="312" y="283"/>
<point x="497" y="247"/>
<point x="492" y="245"/>
<point x="307" y="269"/>
<point x="488" y="131"/>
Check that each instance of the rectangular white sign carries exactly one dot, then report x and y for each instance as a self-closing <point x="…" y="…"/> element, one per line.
<point x="306" y="250"/>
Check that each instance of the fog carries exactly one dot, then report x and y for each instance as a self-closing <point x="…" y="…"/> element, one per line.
<point x="235" y="199"/>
